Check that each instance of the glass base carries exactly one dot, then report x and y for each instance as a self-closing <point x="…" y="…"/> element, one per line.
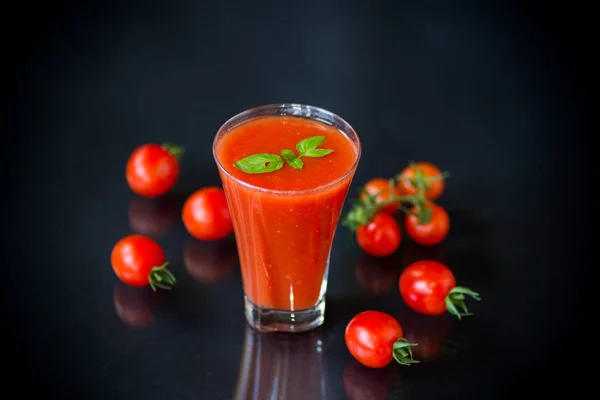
<point x="268" y="320"/>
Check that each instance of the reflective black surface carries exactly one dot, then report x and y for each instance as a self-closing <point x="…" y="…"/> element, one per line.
<point x="489" y="93"/>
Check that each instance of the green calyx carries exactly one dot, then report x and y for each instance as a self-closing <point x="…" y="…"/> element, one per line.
<point x="402" y="352"/>
<point x="161" y="277"/>
<point x="175" y="150"/>
<point x="456" y="299"/>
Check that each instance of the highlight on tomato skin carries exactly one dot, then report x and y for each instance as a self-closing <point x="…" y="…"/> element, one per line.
<point x="429" y="287"/>
<point x="152" y="170"/>
<point x="380" y="237"/>
<point x="432" y="232"/>
<point x="132" y="306"/>
<point x="138" y="260"/>
<point x="153" y="217"/>
<point x="209" y="263"/>
<point x="375" y="338"/>
<point x="206" y="214"/>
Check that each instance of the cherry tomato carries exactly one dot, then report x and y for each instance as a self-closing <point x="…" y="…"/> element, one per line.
<point x="139" y="261"/>
<point x="152" y="170"/>
<point x="209" y="262"/>
<point x="132" y="306"/>
<point x="376" y="275"/>
<point x="362" y="383"/>
<point x="380" y="188"/>
<point x="429" y="288"/>
<point x="432" y="232"/>
<point x="206" y="214"/>
<point x="380" y="237"/>
<point x="374" y="338"/>
<point x="153" y="217"/>
<point x="429" y="174"/>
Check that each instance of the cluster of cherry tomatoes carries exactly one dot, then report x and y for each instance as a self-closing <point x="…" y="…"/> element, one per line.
<point x="152" y="171"/>
<point x="412" y="193"/>
<point x="375" y="338"/>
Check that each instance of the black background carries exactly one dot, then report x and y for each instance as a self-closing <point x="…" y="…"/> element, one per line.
<point x="493" y="92"/>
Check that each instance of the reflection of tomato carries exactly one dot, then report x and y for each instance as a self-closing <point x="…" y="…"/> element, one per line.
<point x="432" y="232"/>
<point x="362" y="383"/>
<point x="429" y="332"/>
<point x="132" y="305"/>
<point x="209" y="262"/>
<point x="376" y="275"/>
<point x="153" y="217"/>
<point x="380" y="188"/>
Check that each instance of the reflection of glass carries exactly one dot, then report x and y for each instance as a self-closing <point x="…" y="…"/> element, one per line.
<point x="282" y="366"/>
<point x="285" y="220"/>
<point x="153" y="217"/>
<point x="209" y="262"/>
<point x="132" y="305"/>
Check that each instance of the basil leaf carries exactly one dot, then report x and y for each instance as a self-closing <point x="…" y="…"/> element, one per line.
<point x="259" y="163"/>
<point x="315" y="153"/>
<point x="309" y="143"/>
<point x="291" y="159"/>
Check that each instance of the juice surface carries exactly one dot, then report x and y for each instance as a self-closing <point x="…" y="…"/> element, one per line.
<point x="273" y="134"/>
<point x="284" y="239"/>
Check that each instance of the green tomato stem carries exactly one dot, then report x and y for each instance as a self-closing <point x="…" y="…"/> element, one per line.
<point x="161" y="277"/>
<point x="456" y="299"/>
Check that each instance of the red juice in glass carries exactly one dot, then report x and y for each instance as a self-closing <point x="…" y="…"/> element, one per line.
<point x="285" y="206"/>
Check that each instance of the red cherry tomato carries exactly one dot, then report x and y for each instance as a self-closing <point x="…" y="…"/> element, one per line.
<point x="374" y="338"/>
<point x="432" y="232"/>
<point x="380" y="188"/>
<point x="380" y="237"/>
<point x="429" y="288"/>
<point x="428" y="174"/>
<point x="206" y="214"/>
<point x="139" y="261"/>
<point x="152" y="170"/>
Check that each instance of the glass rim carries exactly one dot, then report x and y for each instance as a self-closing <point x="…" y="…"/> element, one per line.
<point x="243" y="116"/>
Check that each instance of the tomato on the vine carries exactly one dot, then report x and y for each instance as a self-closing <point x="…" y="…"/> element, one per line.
<point x="432" y="232"/>
<point x="379" y="188"/>
<point x="206" y="214"/>
<point x="422" y="173"/>
<point x="380" y="237"/>
<point x="152" y="169"/>
<point x="429" y="288"/>
<point x="374" y="338"/>
<point x="139" y="261"/>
